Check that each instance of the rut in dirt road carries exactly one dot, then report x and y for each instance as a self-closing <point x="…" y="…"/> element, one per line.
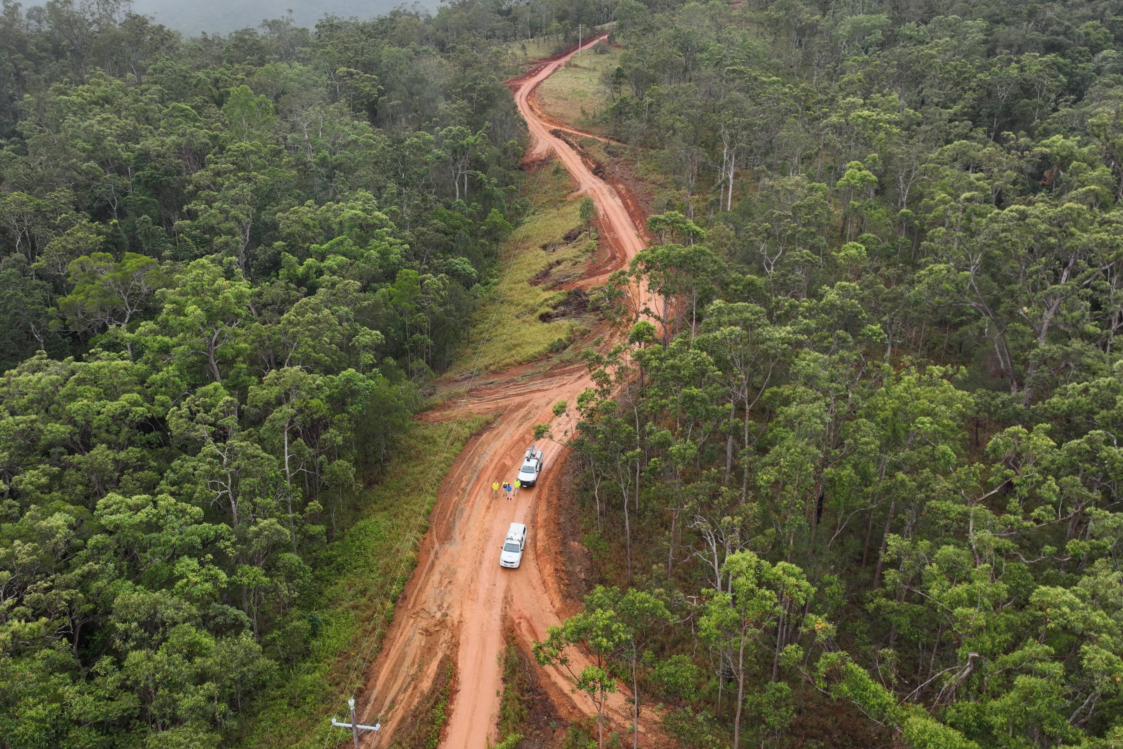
<point x="458" y="603"/>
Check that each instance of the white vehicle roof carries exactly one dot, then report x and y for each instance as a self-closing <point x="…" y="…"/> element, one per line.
<point x="516" y="530"/>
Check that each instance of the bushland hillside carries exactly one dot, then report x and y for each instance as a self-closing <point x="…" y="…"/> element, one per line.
<point x="853" y="478"/>
<point x="230" y="268"/>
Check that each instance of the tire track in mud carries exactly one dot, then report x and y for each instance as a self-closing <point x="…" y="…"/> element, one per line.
<point x="459" y="602"/>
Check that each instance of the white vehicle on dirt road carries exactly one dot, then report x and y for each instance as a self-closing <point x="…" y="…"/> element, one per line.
<point x="532" y="466"/>
<point x="512" y="555"/>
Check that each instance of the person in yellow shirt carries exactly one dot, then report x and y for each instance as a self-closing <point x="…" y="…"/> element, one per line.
<point x="517" y="485"/>
<point x="495" y="490"/>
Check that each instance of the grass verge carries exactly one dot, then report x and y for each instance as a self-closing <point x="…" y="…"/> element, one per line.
<point x="516" y="702"/>
<point x="439" y="712"/>
<point x="575" y="95"/>
<point x="514" y="707"/>
<point x="425" y="732"/>
<point x="521" y="54"/>
<point x="327" y="641"/>
<point x="507" y="328"/>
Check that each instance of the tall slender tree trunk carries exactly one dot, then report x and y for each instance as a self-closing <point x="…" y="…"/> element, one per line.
<point x="740" y="693"/>
<point x="869" y="537"/>
<point x="212" y="350"/>
<point x="744" y="465"/>
<point x="884" y="543"/>
<point x="671" y="543"/>
<point x="729" y="445"/>
<point x="628" y="540"/>
<point x="732" y="176"/>
<point x="779" y="643"/>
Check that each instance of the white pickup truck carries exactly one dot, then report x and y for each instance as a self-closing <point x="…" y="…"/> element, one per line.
<point x="512" y="554"/>
<point x="532" y="466"/>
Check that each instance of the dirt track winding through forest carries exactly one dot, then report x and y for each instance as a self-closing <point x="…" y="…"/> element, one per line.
<point x="459" y="603"/>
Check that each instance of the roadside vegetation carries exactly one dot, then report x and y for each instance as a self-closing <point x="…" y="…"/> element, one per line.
<point x="522" y="53"/>
<point x="521" y="317"/>
<point x="330" y="640"/>
<point x="579" y="94"/>
<point x="514" y="709"/>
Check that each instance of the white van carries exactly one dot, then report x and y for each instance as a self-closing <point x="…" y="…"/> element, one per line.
<point x="531" y="467"/>
<point x="512" y="554"/>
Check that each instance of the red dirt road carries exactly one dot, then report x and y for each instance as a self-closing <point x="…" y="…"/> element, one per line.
<point x="459" y="602"/>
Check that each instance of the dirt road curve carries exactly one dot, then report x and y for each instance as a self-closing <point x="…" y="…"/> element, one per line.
<point x="458" y="602"/>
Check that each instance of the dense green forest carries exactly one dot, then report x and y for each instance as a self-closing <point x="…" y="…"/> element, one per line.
<point x="228" y="265"/>
<point x="864" y="449"/>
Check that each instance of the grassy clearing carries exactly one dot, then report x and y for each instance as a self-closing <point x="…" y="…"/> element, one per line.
<point x="521" y="53"/>
<point x="507" y="329"/>
<point x="524" y="52"/>
<point x="328" y="641"/>
<point x="575" y="95"/>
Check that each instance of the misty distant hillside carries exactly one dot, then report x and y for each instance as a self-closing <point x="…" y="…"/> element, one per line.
<point x="224" y="16"/>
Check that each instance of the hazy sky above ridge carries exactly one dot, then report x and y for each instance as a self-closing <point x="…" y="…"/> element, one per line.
<point x="224" y="16"/>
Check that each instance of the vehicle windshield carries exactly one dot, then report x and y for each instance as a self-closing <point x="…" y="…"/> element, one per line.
<point x="510" y="546"/>
<point x="530" y="466"/>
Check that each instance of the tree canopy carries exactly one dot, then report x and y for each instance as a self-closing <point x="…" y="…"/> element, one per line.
<point x="861" y="439"/>
<point x="228" y="266"/>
